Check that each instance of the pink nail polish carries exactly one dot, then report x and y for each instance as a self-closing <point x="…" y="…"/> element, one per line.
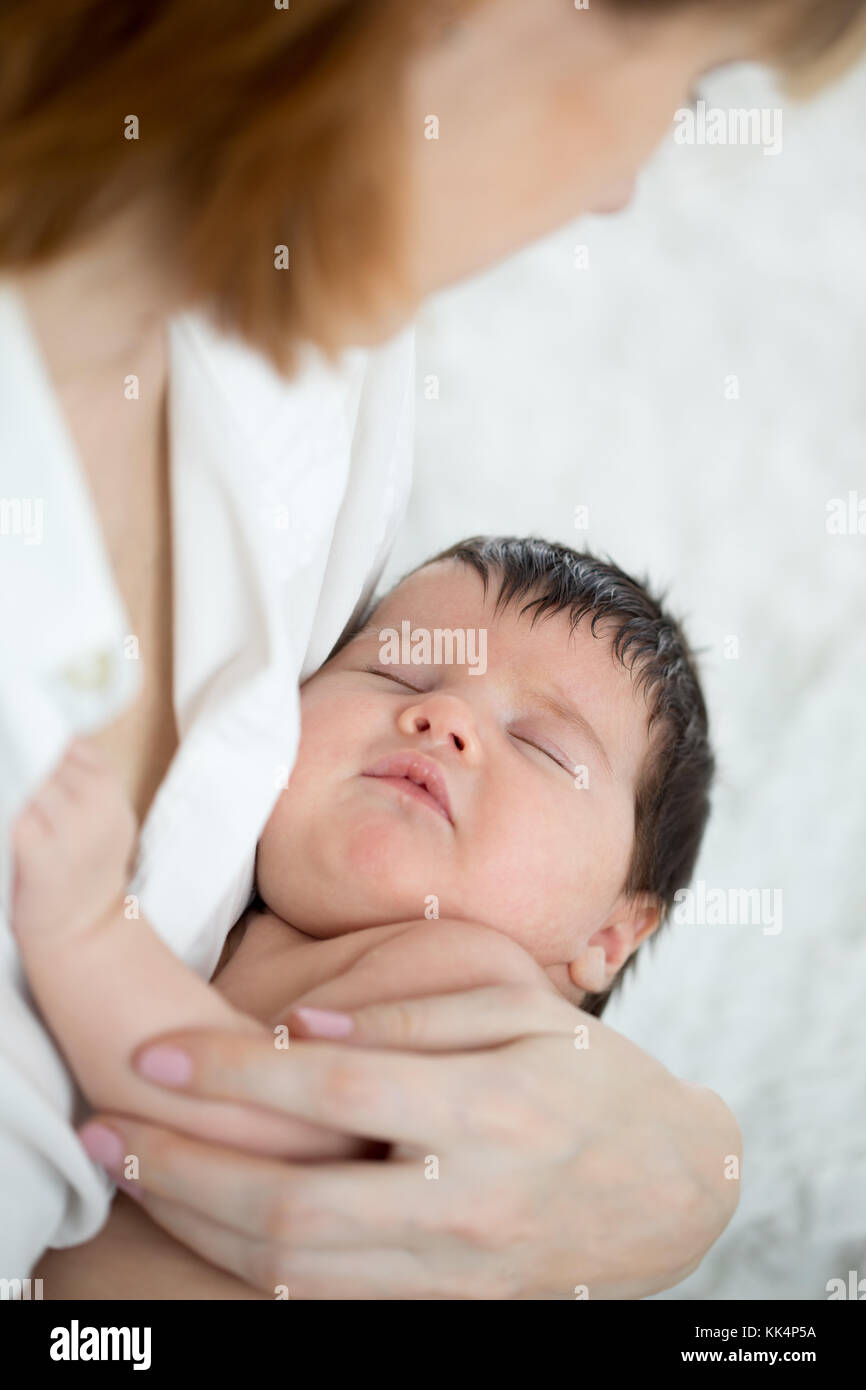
<point x="325" y="1023"/>
<point x="103" y="1145"/>
<point x="168" y="1066"/>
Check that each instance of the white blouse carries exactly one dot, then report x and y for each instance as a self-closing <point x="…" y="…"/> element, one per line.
<point x="286" y="497"/>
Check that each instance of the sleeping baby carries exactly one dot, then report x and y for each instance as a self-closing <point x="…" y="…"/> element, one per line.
<point x="444" y="827"/>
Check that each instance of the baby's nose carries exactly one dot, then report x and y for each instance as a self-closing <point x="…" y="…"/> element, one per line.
<point x="445" y="719"/>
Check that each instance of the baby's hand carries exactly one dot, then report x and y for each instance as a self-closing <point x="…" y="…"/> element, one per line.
<point x="72" y="844"/>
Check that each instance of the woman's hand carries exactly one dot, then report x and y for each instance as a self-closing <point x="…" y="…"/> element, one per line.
<point x="537" y="1154"/>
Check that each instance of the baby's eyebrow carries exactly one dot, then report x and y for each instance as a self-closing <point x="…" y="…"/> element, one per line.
<point x="366" y="631"/>
<point x="564" y="710"/>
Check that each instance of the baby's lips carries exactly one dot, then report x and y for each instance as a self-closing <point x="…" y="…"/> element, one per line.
<point x="417" y="768"/>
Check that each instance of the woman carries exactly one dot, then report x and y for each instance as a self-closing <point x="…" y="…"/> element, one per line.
<point x="198" y="207"/>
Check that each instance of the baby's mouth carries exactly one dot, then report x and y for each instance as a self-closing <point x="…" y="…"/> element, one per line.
<point x="417" y="776"/>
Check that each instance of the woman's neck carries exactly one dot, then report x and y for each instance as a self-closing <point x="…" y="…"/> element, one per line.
<point x="101" y="304"/>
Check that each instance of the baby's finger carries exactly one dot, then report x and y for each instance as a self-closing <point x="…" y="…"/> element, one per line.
<point x="73" y="776"/>
<point x="52" y="801"/>
<point x="84" y="754"/>
<point x="29" y="831"/>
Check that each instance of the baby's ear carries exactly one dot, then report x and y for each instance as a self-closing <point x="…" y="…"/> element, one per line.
<point x="646" y="913"/>
<point x="629" y="923"/>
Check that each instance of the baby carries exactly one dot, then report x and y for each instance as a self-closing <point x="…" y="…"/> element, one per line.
<point x="448" y="824"/>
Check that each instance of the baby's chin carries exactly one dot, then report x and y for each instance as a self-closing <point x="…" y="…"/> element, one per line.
<point x="389" y="843"/>
<point x="365" y="870"/>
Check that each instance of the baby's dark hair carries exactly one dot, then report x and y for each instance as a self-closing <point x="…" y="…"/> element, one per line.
<point x="672" y="798"/>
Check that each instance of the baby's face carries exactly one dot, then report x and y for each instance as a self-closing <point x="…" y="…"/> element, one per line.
<point x="536" y="761"/>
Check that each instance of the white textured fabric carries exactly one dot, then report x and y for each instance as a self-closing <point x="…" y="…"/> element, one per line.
<point x="286" y="498"/>
<point x="606" y="386"/>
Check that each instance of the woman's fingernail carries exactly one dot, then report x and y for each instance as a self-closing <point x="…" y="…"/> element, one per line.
<point x="325" y="1023"/>
<point x="103" y="1145"/>
<point x="166" y="1065"/>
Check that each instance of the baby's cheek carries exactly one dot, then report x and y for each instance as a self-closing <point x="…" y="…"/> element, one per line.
<point x="550" y="877"/>
<point x="271" y="857"/>
<point x="605" y="837"/>
<point x="517" y="878"/>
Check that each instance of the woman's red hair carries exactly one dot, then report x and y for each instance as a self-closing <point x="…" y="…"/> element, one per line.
<point x="257" y="128"/>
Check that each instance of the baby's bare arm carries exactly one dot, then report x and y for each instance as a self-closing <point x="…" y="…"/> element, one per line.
<point x="424" y="958"/>
<point x="106" y="983"/>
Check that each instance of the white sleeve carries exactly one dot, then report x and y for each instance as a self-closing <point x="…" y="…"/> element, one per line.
<point x="50" y="1192"/>
<point x="60" y="626"/>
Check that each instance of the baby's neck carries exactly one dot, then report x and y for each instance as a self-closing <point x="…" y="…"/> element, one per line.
<point x="271" y="963"/>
